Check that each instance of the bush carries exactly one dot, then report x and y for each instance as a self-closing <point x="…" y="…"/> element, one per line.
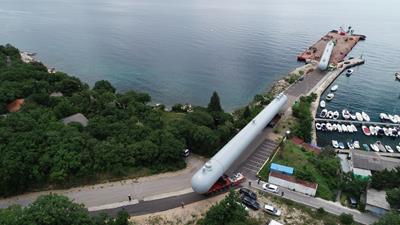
<point x="346" y="219"/>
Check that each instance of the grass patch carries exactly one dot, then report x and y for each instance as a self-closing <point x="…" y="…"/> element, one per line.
<point x="321" y="169"/>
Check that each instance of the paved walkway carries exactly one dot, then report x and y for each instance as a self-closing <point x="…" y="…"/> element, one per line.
<point x="116" y="193"/>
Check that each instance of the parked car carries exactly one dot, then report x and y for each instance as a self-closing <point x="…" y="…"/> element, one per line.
<point x="353" y="202"/>
<point x="247" y="192"/>
<point x="272" y="210"/>
<point x="270" y="187"/>
<point x="251" y="203"/>
<point x="185" y="152"/>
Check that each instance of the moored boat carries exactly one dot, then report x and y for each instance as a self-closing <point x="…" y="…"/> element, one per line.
<point x="380" y="146"/>
<point x="341" y="145"/>
<point x="350" y="145"/>
<point x="344" y="128"/>
<point x="339" y="128"/>
<point x="359" y="116"/>
<point x="398" y="148"/>
<point x="353" y="127"/>
<point x="335" y="115"/>
<point x="349" y="72"/>
<point x="393" y="119"/>
<point x="383" y="116"/>
<point x="334" y="88"/>
<point x="335" y="144"/>
<point x="356" y="144"/>
<point x="329" y="126"/>
<point x="329" y="114"/>
<point x="318" y="126"/>
<point x="366" y="147"/>
<point x="365" y="116"/>
<point x="345" y="114"/>
<point x="397" y="75"/>
<point x="389" y="149"/>
<point x="323" y="113"/>
<point x="372" y="129"/>
<point x="366" y="130"/>
<point x="330" y="96"/>
<point x="353" y="117"/>
<point x="349" y="128"/>
<point x="322" y="104"/>
<point x="374" y="147"/>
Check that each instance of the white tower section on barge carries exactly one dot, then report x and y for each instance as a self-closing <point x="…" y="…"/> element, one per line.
<point x="206" y="176"/>
<point x="326" y="56"/>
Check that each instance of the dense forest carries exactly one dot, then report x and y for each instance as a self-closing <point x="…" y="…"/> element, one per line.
<point x="56" y="210"/>
<point x="125" y="135"/>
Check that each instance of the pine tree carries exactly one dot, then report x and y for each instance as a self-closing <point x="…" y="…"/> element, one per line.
<point x="214" y="105"/>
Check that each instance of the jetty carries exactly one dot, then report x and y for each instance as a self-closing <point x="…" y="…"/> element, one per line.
<point x="344" y="43"/>
<point x="356" y="122"/>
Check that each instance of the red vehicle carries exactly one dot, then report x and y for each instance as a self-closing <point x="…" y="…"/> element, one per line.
<point x="225" y="182"/>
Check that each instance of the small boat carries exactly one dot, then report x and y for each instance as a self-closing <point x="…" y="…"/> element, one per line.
<point x="397" y="75"/>
<point x="329" y="115"/>
<point x="349" y="128"/>
<point x="366" y="130"/>
<point x="349" y="72"/>
<point x="356" y="144"/>
<point x="398" y="148"/>
<point x="322" y="104"/>
<point x="393" y="119"/>
<point x="389" y="149"/>
<point x="353" y="127"/>
<point x="387" y="131"/>
<point x="373" y="130"/>
<point x="323" y="126"/>
<point x="341" y="145"/>
<point x="344" y="128"/>
<point x="395" y="132"/>
<point x="384" y="116"/>
<point x="353" y="117"/>
<point x="380" y="132"/>
<point x="329" y="126"/>
<point x="330" y="96"/>
<point x="380" y="146"/>
<point x="335" y="144"/>
<point x="334" y="88"/>
<point x="323" y="113"/>
<point x="359" y="116"/>
<point x="374" y="147"/>
<point x="365" y="116"/>
<point x="318" y="126"/>
<point x="339" y="128"/>
<point x="350" y="145"/>
<point x="397" y="117"/>
<point x="366" y="147"/>
<point x="335" y="115"/>
<point x="345" y="114"/>
<point x="334" y="127"/>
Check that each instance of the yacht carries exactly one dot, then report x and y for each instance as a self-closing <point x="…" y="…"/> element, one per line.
<point x="318" y="126"/>
<point x="359" y="116"/>
<point x="398" y="148"/>
<point x="349" y="72"/>
<point x="339" y="128"/>
<point x="365" y="116"/>
<point x="323" y="113"/>
<point x="353" y="117"/>
<point x="366" y="130"/>
<point x="373" y="130"/>
<point x="344" y="128"/>
<point x="393" y="119"/>
<point x="380" y="146"/>
<point x="329" y="126"/>
<point x="330" y="96"/>
<point x="349" y="128"/>
<point x="322" y="104"/>
<point x="334" y="88"/>
<point x="341" y="145"/>
<point x="350" y="145"/>
<point x="329" y="114"/>
<point x="335" y="144"/>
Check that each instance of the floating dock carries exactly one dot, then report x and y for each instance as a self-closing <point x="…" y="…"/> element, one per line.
<point x="344" y="43"/>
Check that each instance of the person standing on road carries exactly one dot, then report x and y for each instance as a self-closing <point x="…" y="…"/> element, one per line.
<point x="129" y="197"/>
<point x="283" y="193"/>
<point x="182" y="204"/>
<point x="258" y="181"/>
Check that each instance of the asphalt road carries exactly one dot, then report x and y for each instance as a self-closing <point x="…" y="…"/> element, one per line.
<point x="146" y="207"/>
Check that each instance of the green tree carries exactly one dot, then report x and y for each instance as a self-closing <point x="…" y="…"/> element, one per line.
<point x="346" y="219"/>
<point x="390" y="218"/>
<point x="214" y="105"/>
<point x="103" y="86"/>
<point x="393" y="198"/>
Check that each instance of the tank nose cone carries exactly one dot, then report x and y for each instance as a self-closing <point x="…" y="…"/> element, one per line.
<point x="199" y="183"/>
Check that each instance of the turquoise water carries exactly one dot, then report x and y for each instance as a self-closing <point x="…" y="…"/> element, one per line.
<point x="182" y="50"/>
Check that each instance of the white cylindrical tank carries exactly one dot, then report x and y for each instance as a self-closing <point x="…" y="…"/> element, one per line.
<point x="326" y="56"/>
<point x="204" y="178"/>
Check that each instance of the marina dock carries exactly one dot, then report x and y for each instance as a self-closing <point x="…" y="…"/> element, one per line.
<point x="356" y="122"/>
<point x="384" y="154"/>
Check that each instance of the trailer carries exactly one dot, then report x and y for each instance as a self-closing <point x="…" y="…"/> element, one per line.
<point x="225" y="182"/>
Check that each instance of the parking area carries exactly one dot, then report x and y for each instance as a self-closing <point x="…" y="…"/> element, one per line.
<point x="253" y="164"/>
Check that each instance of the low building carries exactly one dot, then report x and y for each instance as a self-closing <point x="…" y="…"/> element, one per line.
<point x="376" y="202"/>
<point x="293" y="183"/>
<point x="373" y="161"/>
<point x="16" y="105"/>
<point x="77" y="118"/>
<point x="281" y="168"/>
